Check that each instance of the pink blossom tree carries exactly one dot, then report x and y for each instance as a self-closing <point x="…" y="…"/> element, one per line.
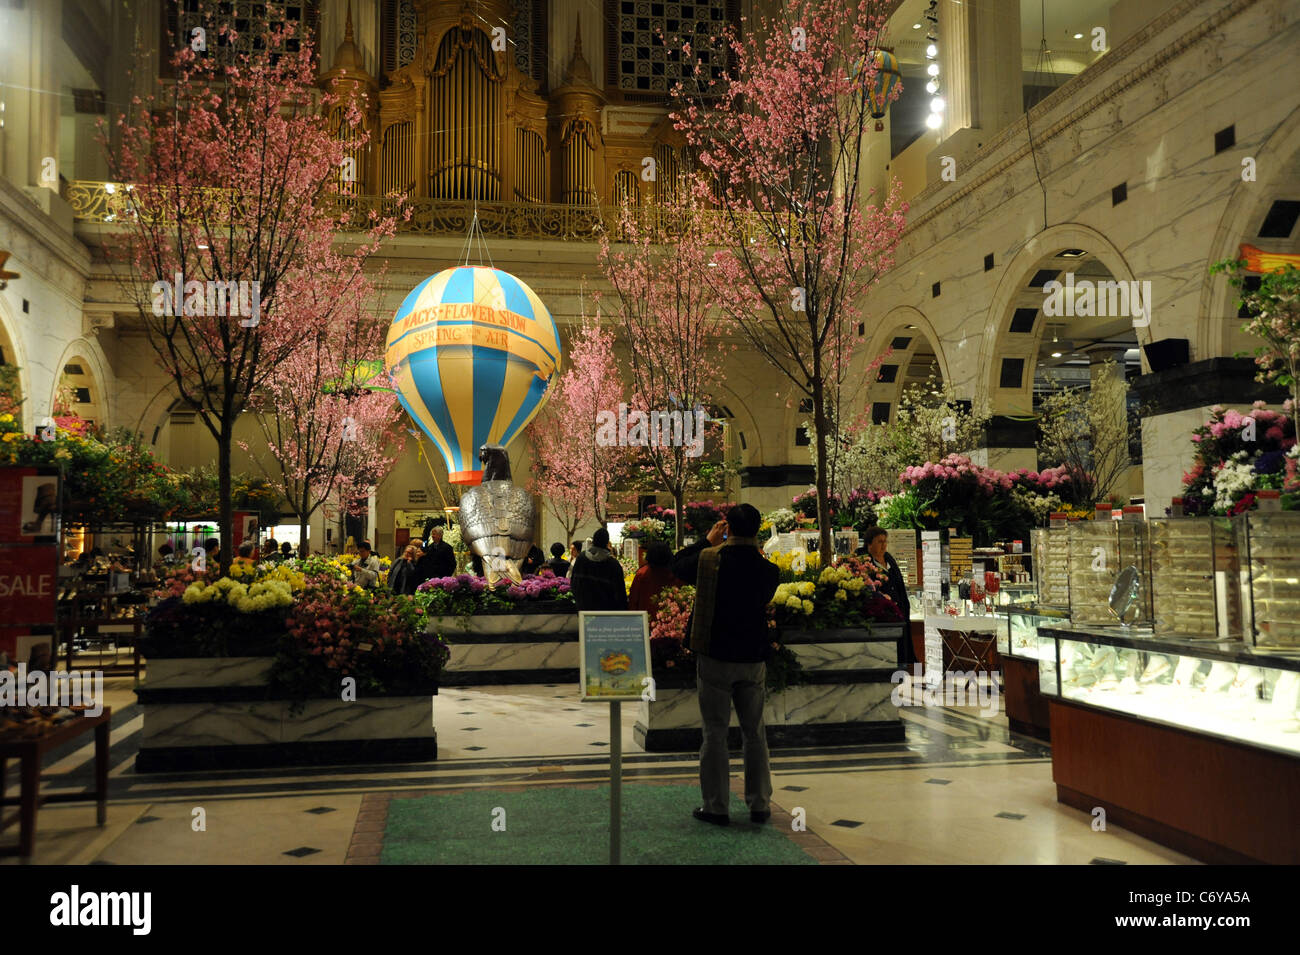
<point x="781" y="138"/>
<point x="329" y="430"/>
<point x="574" y="467"/>
<point x="676" y="333"/>
<point x="233" y="178"/>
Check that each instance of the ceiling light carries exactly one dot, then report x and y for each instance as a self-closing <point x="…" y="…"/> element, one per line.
<point x="932" y="69"/>
<point x="916" y="26"/>
<point x="1056" y="354"/>
<point x="1078" y="36"/>
<point x="932" y="87"/>
<point x="936" y="105"/>
<point x="932" y="51"/>
<point x="933" y="120"/>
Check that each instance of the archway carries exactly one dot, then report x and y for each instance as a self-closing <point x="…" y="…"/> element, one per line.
<point x="1256" y="213"/>
<point x="1036" y="332"/>
<point x="912" y="356"/>
<point x="80" y="392"/>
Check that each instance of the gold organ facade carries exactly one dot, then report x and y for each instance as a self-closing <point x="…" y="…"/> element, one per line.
<point x="455" y="118"/>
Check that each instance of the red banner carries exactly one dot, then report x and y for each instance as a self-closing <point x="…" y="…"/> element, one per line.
<point x="28" y="585"/>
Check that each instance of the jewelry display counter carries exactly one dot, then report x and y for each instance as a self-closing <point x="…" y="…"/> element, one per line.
<point x="1191" y="743"/>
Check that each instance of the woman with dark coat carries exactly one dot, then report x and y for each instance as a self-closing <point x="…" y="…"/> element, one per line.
<point x="876" y="539"/>
<point x="403" y="579"/>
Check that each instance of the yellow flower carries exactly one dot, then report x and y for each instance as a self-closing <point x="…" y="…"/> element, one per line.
<point x="807" y="607"/>
<point x="841" y="594"/>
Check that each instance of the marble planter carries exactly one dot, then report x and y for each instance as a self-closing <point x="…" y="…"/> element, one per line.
<point x="217" y="713"/>
<point x="501" y="649"/>
<point x="846" y="697"/>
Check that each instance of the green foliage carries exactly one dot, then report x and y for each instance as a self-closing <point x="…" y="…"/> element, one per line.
<point x="1275" y="319"/>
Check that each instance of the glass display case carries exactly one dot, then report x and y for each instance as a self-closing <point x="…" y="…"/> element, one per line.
<point x="1051" y="562"/>
<point x="1019" y="638"/>
<point x="1099" y="550"/>
<point x="1195" y="569"/>
<point x="1222" y="689"/>
<point x="1271" y="597"/>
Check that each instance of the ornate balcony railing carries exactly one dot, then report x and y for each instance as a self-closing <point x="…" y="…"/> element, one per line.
<point x="107" y="202"/>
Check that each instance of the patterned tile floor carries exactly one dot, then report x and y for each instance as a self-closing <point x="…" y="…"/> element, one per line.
<point x="960" y="789"/>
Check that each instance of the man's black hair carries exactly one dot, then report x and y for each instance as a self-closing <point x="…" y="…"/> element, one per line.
<point x="600" y="538"/>
<point x="743" y="520"/>
<point x="557" y="549"/>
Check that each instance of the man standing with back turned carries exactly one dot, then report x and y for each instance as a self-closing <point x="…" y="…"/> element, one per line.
<point x="728" y="630"/>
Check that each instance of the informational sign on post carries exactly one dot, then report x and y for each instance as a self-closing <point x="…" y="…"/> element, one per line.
<point x="614" y="657"/>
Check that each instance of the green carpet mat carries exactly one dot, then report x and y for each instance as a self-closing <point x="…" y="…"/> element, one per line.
<point x="558" y="825"/>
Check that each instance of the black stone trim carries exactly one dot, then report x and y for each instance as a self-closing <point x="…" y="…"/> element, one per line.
<point x="1214" y="381"/>
<point x="521" y="637"/>
<point x="1005" y="432"/>
<point x="778" y="475"/>
<point x="256" y="693"/>
<point x="879" y="633"/>
<point x="161" y="759"/>
<point x="510" y="677"/>
<point x="831" y="734"/>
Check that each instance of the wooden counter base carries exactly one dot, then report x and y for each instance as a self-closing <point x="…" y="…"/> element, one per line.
<point x="1209" y="798"/>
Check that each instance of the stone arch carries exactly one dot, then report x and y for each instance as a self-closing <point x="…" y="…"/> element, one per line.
<point x="903" y="322"/>
<point x="16" y="354"/>
<point x="998" y="342"/>
<point x="87" y="355"/>
<point x="1278" y="168"/>
<point x="745" y="423"/>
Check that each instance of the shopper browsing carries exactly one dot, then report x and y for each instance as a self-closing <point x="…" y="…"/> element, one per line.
<point x="598" y="577"/>
<point x="365" y="569"/>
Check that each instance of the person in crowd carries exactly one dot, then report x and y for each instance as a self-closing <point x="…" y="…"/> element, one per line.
<point x="729" y="635"/>
<point x="575" y="549"/>
<point x="246" y="555"/>
<point x="558" y="565"/>
<point x="423" y="562"/>
<point x="365" y="569"/>
<point x="442" y="558"/>
<point x="212" y="548"/>
<point x="403" y="577"/>
<point x="875" y="542"/>
<point x="270" y="550"/>
<point x="532" y="561"/>
<point x="598" y="577"/>
<point x="286" y="551"/>
<point x="651" y="577"/>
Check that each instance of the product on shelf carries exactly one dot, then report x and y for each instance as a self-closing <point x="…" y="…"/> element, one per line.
<point x="1051" y="553"/>
<point x="1098" y="552"/>
<point x="1195" y="567"/>
<point x="1272" y="603"/>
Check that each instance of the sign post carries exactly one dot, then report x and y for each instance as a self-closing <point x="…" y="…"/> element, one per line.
<point x="614" y="652"/>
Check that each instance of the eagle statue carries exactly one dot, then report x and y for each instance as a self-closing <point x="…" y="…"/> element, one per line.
<point x="497" y="518"/>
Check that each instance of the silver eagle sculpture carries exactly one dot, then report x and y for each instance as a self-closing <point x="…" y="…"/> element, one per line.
<point x="497" y="518"/>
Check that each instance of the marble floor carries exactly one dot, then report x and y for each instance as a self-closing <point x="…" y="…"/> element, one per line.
<point x="960" y="790"/>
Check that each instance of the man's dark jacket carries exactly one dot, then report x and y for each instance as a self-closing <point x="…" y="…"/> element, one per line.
<point x="746" y="582"/>
<point x="439" y="561"/>
<point x="597" y="581"/>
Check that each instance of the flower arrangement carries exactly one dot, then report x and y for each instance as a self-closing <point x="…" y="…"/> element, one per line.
<point x="648" y="528"/>
<point x="782" y="519"/>
<point x="466" y="594"/>
<point x="1237" y="455"/>
<point x="845" y="595"/>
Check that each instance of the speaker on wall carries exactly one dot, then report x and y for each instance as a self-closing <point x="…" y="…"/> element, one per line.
<point x="1168" y="353"/>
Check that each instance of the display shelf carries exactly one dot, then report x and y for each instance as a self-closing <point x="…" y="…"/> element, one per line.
<point x="1271" y="601"/>
<point x="1051" y="561"/>
<point x="1223" y="689"/>
<point x="1195" y="567"/>
<point x="1019" y="638"/>
<point x="1099" y="550"/>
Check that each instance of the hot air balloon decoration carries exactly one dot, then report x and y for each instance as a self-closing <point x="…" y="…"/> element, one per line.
<point x="471" y="353"/>
<point x="881" y="90"/>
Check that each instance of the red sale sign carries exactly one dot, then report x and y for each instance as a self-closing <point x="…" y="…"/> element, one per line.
<point x="29" y="505"/>
<point x="28" y="583"/>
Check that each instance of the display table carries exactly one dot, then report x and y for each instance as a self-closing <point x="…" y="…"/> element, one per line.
<point x="1193" y="744"/>
<point x="30" y="751"/>
<point x="969" y="643"/>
